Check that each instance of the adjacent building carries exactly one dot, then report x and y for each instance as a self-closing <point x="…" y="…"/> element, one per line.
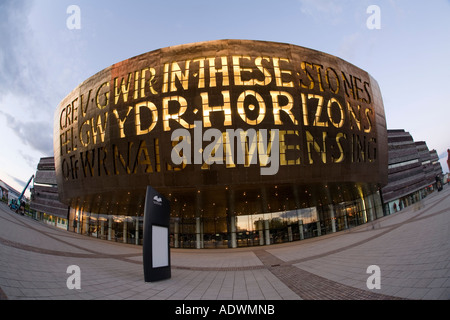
<point x="45" y="205"/>
<point x="435" y="162"/>
<point x="412" y="171"/>
<point x="8" y="193"/>
<point x="4" y="191"/>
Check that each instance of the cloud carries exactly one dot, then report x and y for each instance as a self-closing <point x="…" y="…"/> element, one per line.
<point x="20" y="182"/>
<point x="349" y="46"/>
<point x="17" y="59"/>
<point x="445" y="153"/>
<point x="322" y="6"/>
<point x="326" y="10"/>
<point x="443" y="160"/>
<point x="30" y="160"/>
<point x="15" y="182"/>
<point x="24" y="83"/>
<point x="36" y="134"/>
<point x="29" y="65"/>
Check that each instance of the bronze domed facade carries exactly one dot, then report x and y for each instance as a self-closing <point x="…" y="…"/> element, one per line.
<point x="252" y="142"/>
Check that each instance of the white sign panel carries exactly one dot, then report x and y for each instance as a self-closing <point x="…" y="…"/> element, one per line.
<point x="160" y="246"/>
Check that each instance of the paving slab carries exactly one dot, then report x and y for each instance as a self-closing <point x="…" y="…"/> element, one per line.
<point x="411" y="249"/>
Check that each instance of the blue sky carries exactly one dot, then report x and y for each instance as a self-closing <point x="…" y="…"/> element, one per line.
<point x="41" y="60"/>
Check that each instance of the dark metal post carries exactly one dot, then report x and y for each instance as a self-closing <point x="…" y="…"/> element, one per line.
<point x="156" y="251"/>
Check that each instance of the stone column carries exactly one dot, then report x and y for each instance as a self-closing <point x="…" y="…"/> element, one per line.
<point x="319" y="229"/>
<point x="197" y="232"/>
<point x="233" y="231"/>
<point x="267" y="232"/>
<point x="109" y="228"/>
<point x="290" y="234"/>
<point x="363" y="209"/>
<point x="369" y="207"/>
<point x="202" y="241"/>
<point x="136" y="231"/>
<point x="79" y="217"/>
<point x="300" y="229"/>
<point x="198" y="222"/>
<point x="176" y="234"/>
<point x="78" y="225"/>
<point x="259" y="226"/>
<point x="102" y="228"/>
<point x="86" y="225"/>
<point x="125" y="230"/>
<point x="232" y="219"/>
<point x="332" y="217"/>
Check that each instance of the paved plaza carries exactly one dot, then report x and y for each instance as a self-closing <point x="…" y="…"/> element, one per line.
<point x="411" y="249"/>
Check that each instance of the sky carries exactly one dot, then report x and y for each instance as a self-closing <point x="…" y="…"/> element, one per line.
<point x="43" y="58"/>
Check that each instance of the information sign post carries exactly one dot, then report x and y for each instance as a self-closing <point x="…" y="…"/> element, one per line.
<point x="156" y="251"/>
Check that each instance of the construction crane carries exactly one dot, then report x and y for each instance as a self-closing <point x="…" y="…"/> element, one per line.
<point x="17" y="204"/>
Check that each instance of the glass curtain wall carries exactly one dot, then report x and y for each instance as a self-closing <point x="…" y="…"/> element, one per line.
<point x="218" y="228"/>
<point x="119" y="228"/>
